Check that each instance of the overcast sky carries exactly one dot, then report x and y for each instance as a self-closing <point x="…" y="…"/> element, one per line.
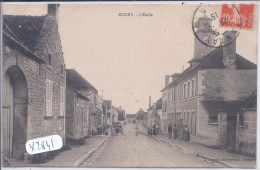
<point x="127" y="57"/>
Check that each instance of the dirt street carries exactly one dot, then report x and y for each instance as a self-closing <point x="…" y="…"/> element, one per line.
<point x="130" y="150"/>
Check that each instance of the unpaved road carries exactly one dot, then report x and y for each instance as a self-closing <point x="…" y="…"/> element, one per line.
<point x="130" y="150"/>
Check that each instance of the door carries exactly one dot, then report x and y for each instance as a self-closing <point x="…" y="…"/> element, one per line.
<point x="8" y="107"/>
<point x="231" y="131"/>
<point x="193" y="123"/>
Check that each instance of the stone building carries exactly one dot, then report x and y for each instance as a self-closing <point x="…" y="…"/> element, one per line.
<point x="208" y="96"/>
<point x="247" y="126"/>
<point x="91" y="93"/>
<point x="121" y="113"/>
<point x="114" y="113"/>
<point x="33" y="81"/>
<point x="108" y="104"/>
<point x="77" y="106"/>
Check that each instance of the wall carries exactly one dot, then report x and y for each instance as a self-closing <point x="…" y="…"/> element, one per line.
<point x="246" y="135"/>
<point x="81" y="117"/>
<point x="70" y="105"/>
<point x="49" y="43"/>
<point x="228" y="84"/>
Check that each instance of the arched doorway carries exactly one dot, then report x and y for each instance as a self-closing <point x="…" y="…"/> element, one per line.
<point x="15" y="103"/>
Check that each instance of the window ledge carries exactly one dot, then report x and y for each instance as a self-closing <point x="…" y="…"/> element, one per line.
<point x="48" y="117"/>
<point x="213" y="124"/>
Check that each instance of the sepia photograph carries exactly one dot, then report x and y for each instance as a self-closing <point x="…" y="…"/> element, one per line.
<point x="129" y="85"/>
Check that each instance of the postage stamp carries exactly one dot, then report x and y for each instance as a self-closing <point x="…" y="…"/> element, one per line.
<point x="242" y="17"/>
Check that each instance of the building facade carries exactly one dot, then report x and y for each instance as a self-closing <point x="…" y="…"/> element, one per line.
<point x="77" y="106"/>
<point x="208" y="95"/>
<point x="33" y="81"/>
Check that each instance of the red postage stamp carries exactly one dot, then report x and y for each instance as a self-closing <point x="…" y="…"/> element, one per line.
<point x="241" y="16"/>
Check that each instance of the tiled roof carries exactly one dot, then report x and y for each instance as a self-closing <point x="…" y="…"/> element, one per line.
<point x="214" y="60"/>
<point x="78" y="82"/>
<point x="24" y="29"/>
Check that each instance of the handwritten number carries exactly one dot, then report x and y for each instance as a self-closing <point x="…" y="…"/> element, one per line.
<point x="52" y="143"/>
<point x="38" y="146"/>
<point x="32" y="146"/>
<point x="47" y="144"/>
<point x="43" y="145"/>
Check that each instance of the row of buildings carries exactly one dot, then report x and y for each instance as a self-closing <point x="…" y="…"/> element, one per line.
<point x="215" y="96"/>
<point x="40" y="96"/>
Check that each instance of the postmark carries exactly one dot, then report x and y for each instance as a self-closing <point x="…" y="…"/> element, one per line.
<point x="217" y="27"/>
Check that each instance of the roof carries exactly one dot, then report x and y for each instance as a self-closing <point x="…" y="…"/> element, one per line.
<point x="159" y="104"/>
<point x="213" y="60"/>
<point x="25" y="29"/>
<point x="74" y="79"/>
<point x="251" y="102"/>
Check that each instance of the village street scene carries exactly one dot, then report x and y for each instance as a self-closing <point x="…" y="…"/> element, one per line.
<point x="181" y="103"/>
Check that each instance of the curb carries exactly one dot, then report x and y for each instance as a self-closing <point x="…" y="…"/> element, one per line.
<point x="193" y="153"/>
<point x="87" y="155"/>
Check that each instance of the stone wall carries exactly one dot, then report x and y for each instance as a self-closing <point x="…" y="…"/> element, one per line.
<point x="246" y="135"/>
<point x="228" y="84"/>
<point x="70" y="105"/>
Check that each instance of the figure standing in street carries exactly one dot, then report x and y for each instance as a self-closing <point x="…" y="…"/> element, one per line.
<point x="175" y="131"/>
<point x="154" y="130"/>
<point x="170" y="131"/>
<point x="137" y="130"/>
<point x="187" y="133"/>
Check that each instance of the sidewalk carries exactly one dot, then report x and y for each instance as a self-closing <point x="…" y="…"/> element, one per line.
<point x="66" y="158"/>
<point x="220" y="156"/>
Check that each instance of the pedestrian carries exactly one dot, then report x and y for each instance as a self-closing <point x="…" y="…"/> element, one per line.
<point x="183" y="132"/>
<point x="175" y="131"/>
<point x="154" y="130"/>
<point x="187" y="133"/>
<point x="157" y="129"/>
<point x="170" y="131"/>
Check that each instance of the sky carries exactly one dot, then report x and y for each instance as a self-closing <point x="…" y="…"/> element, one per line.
<point x="127" y="57"/>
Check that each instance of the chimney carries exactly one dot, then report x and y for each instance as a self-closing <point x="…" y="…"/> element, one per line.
<point x="53" y="10"/>
<point x="229" y="51"/>
<point x="167" y="78"/>
<point x="150" y="101"/>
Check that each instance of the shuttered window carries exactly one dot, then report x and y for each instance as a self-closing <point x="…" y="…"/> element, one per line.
<point x="49" y="86"/>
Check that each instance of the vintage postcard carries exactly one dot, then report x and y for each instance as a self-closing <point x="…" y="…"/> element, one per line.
<point x="108" y="85"/>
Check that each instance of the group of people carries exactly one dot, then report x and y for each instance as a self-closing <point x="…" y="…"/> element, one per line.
<point x="116" y="130"/>
<point x="153" y="131"/>
<point x="181" y="132"/>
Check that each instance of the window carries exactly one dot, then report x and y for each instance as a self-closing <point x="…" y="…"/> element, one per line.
<point x="169" y="97"/>
<point x="185" y="91"/>
<point x="213" y="118"/>
<point x="49" y="60"/>
<point x="62" y="101"/>
<point x="189" y="90"/>
<point x="173" y="96"/>
<point x="193" y="87"/>
<point x="49" y="87"/>
<point x="62" y="69"/>
<point x="178" y="92"/>
<point x="165" y="105"/>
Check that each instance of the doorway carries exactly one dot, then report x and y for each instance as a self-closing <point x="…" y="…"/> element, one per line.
<point x="15" y="103"/>
<point x="231" y="131"/>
